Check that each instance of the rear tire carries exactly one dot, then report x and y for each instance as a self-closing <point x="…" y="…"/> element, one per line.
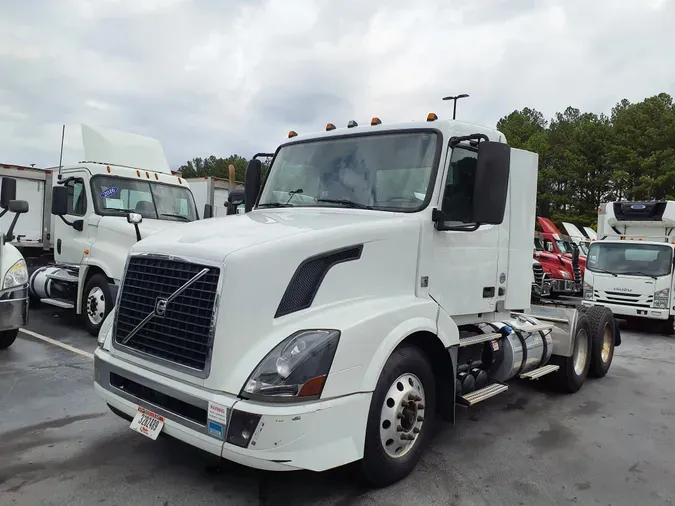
<point x="387" y="457"/>
<point x="7" y="338"/>
<point x="603" y="337"/>
<point x="96" y="303"/>
<point x="574" y="369"/>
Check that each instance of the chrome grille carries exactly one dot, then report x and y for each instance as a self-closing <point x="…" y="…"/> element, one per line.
<point x="538" y="273"/>
<point x="183" y="334"/>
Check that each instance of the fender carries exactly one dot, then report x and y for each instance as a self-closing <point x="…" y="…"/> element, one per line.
<point x="82" y="277"/>
<point x="443" y="327"/>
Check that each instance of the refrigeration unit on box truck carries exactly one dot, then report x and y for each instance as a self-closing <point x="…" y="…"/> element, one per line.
<point x="335" y="324"/>
<point x="630" y="266"/>
<point x="91" y="214"/>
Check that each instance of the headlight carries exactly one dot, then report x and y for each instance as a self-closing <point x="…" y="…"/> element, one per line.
<point x="661" y="298"/>
<point x="17" y="275"/>
<point x="565" y="274"/>
<point x="588" y="291"/>
<point x="296" y="368"/>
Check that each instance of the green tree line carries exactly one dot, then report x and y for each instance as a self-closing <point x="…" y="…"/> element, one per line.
<point x="584" y="158"/>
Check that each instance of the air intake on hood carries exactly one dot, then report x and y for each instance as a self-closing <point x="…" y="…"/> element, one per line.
<point x="307" y="279"/>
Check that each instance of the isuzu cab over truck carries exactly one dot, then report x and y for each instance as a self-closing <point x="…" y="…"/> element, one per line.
<point x="630" y="266"/>
<point x="84" y="218"/>
<point x="373" y="284"/>
<point x="13" y="272"/>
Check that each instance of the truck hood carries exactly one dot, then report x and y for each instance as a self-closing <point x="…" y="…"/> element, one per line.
<point x="215" y="238"/>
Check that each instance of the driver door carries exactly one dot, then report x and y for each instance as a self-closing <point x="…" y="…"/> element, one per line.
<point x="69" y="244"/>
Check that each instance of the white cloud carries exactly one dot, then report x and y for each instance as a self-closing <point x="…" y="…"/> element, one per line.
<point x="222" y="76"/>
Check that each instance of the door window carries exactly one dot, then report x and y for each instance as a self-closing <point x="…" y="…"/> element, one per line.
<point x="77" y="197"/>
<point x="459" y="186"/>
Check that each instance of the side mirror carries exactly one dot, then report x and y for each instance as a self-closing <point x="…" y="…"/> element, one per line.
<point x="208" y="211"/>
<point x="59" y="200"/>
<point x="491" y="183"/>
<point x="135" y="219"/>
<point x="252" y="183"/>
<point x="7" y="192"/>
<point x="18" y="206"/>
<point x="235" y="198"/>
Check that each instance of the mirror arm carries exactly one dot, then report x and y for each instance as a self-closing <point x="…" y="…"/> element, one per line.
<point x="4" y="212"/>
<point x="439" y="218"/>
<point x="70" y="224"/>
<point x="473" y="137"/>
<point x="9" y="236"/>
<point x="138" y="232"/>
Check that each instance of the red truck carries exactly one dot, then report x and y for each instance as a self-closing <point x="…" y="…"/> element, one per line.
<point x="561" y="244"/>
<point x="555" y="272"/>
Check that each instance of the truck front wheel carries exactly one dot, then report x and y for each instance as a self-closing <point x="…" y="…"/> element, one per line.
<point x="96" y="303"/>
<point x="400" y="417"/>
<point x="7" y="338"/>
<point x="667" y="327"/>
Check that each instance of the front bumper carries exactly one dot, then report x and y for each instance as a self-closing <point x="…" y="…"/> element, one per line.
<point x="564" y="286"/>
<point x="637" y="312"/>
<point x="14" y="308"/>
<point x="314" y="436"/>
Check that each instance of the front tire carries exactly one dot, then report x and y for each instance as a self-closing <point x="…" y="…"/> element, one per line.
<point x="667" y="327"/>
<point x="400" y="418"/>
<point x="7" y="338"/>
<point x="96" y="303"/>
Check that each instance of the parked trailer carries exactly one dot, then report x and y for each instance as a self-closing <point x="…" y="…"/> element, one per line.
<point x="13" y="271"/>
<point x="91" y="213"/>
<point x="336" y="325"/>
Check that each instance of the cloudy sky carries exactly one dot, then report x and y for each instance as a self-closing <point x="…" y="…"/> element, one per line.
<point x="224" y="76"/>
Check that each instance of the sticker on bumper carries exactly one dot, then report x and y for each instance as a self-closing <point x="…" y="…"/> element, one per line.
<point x="215" y="429"/>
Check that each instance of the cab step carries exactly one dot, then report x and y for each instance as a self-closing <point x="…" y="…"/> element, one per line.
<point x="483" y="394"/>
<point x="64" y="304"/>
<point x="480" y="338"/>
<point x="538" y="373"/>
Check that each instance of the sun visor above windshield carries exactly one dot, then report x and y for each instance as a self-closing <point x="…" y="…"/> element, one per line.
<point x="114" y="147"/>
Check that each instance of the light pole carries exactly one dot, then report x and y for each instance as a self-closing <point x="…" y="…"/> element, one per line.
<point x="454" y="100"/>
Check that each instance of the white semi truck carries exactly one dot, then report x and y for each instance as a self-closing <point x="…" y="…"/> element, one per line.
<point x="378" y="280"/>
<point x="13" y="271"/>
<point x="630" y="267"/>
<point x="85" y="217"/>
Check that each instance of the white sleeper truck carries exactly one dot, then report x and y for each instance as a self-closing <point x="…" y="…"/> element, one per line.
<point x="377" y="280"/>
<point x="84" y="218"/>
<point x="13" y="271"/>
<point x="630" y="267"/>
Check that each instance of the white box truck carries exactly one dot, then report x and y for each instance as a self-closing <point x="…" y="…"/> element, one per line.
<point x="376" y="281"/>
<point x="84" y="218"/>
<point x="13" y="271"/>
<point x="630" y="267"/>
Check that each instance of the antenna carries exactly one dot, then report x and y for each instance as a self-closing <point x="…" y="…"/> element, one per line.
<point x="63" y="134"/>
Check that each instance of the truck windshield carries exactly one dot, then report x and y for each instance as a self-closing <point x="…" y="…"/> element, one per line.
<point x="630" y="258"/>
<point x="114" y="196"/>
<point x="390" y="171"/>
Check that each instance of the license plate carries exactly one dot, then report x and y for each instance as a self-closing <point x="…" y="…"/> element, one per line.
<point x="147" y="423"/>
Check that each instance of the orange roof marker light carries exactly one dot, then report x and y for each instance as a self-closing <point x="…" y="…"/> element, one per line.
<point x="108" y="169"/>
<point x="352" y="124"/>
<point x="432" y="116"/>
<point x="330" y="127"/>
<point x="292" y="133"/>
<point x="375" y="121"/>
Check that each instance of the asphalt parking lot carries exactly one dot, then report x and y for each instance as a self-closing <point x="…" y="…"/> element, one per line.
<point x="610" y="444"/>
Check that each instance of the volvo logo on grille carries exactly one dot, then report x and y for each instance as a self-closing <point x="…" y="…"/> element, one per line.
<point x="161" y="303"/>
<point x="160" y="306"/>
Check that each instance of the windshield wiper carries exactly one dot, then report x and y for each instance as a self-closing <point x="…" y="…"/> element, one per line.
<point x="121" y="210"/>
<point x="603" y="271"/>
<point x="175" y="216"/>
<point x="274" y="204"/>
<point x="639" y="273"/>
<point x="346" y="203"/>
<point x="293" y="193"/>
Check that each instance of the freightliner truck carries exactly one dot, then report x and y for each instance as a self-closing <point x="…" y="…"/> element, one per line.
<point x="630" y="266"/>
<point x="379" y="280"/>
